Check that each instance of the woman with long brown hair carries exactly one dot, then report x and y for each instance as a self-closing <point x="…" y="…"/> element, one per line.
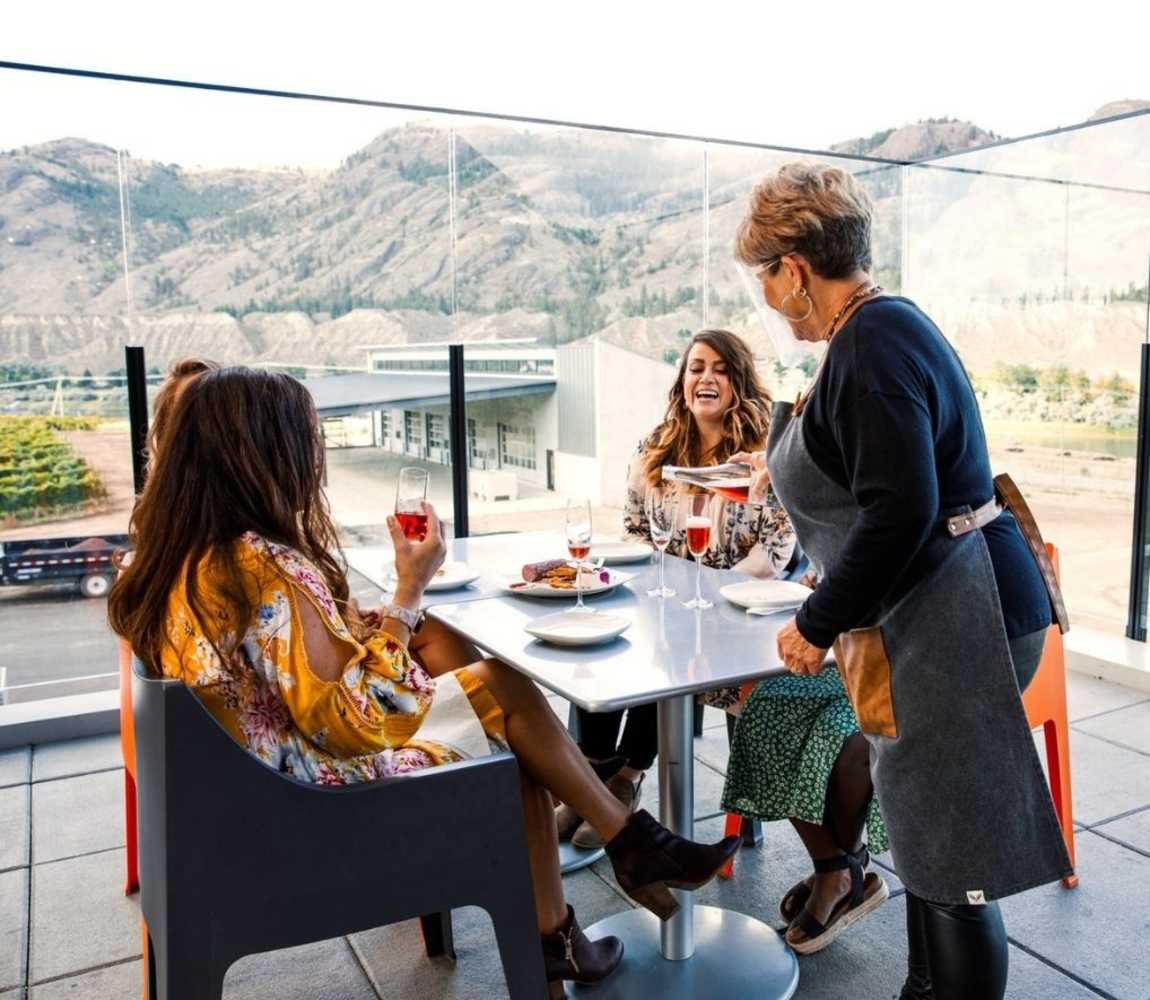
<point x="238" y="588"/>
<point x="717" y="406"/>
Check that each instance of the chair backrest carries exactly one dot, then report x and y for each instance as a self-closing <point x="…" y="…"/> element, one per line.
<point x="214" y="817"/>
<point x="1045" y="698"/>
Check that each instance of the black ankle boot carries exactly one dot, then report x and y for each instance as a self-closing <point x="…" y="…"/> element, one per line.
<point x="568" y="954"/>
<point x="916" y="987"/>
<point x="649" y="860"/>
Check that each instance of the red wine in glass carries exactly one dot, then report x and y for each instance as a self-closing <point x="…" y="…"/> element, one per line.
<point x="579" y="552"/>
<point x="698" y="539"/>
<point x="413" y="523"/>
<point x="410" y="503"/>
<point x="698" y="535"/>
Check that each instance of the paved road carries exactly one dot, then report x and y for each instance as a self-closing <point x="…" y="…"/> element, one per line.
<point x="50" y="633"/>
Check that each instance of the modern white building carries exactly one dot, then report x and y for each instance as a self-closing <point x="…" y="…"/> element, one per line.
<point x="563" y="419"/>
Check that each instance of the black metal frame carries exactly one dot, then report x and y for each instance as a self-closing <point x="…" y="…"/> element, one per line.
<point x="1139" y="564"/>
<point x="458" y="436"/>
<point x="137" y="413"/>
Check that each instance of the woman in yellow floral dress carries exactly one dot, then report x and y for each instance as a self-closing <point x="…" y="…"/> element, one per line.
<point x="237" y="587"/>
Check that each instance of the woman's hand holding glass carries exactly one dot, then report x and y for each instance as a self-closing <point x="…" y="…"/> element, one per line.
<point x="416" y="561"/>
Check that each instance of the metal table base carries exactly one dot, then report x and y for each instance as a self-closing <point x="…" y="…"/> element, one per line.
<point x="708" y="952"/>
<point x="737" y="958"/>
<point x="572" y="858"/>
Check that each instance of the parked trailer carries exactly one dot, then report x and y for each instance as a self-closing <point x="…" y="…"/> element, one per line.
<point x="87" y="561"/>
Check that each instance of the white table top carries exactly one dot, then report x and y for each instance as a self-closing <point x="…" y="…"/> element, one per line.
<point x="491" y="556"/>
<point x="669" y="650"/>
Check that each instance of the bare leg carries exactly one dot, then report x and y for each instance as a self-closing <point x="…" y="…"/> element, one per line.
<point x="849" y="791"/>
<point x="439" y="650"/>
<point x="543" y="854"/>
<point x="546" y="751"/>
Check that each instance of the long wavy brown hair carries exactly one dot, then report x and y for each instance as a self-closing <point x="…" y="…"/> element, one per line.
<point x="676" y="440"/>
<point x="238" y="450"/>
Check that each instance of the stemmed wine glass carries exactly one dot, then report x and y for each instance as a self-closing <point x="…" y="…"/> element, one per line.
<point x="579" y="543"/>
<point x="661" y="503"/>
<point x="698" y="540"/>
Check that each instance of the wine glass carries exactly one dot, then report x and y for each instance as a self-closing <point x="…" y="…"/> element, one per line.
<point x="661" y="503"/>
<point x="579" y="543"/>
<point x="698" y="540"/>
<point x="411" y="502"/>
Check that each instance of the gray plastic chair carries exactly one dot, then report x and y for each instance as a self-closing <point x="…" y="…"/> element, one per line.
<point x="237" y="859"/>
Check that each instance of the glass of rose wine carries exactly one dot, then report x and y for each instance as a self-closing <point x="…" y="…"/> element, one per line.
<point x="698" y="541"/>
<point x="411" y="503"/>
<point x="579" y="543"/>
<point x="661" y="504"/>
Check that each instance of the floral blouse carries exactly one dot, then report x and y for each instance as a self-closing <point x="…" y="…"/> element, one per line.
<point x="359" y="727"/>
<point x="752" y="538"/>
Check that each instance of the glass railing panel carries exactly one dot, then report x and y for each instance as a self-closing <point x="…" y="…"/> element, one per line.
<point x="579" y="268"/>
<point x="310" y="239"/>
<point x="1032" y="257"/>
<point x="65" y="466"/>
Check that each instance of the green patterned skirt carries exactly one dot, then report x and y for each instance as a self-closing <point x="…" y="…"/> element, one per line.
<point x="789" y="735"/>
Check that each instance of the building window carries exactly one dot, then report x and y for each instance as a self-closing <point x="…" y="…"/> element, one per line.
<point x="413" y="431"/>
<point x="437" y="436"/>
<point x="472" y="444"/>
<point x="517" y="446"/>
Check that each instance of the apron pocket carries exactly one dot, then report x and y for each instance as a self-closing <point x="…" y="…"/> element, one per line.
<point x="865" y="669"/>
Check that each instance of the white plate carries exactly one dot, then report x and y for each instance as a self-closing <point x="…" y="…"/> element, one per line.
<point x="774" y="594"/>
<point x="451" y="576"/>
<point x="617" y="553"/>
<point x="575" y="628"/>
<point x="516" y="585"/>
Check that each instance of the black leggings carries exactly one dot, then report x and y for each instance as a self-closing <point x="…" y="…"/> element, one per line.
<point x="960" y="952"/>
<point x="599" y="735"/>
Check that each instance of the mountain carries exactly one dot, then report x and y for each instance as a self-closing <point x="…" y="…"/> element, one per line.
<point x="921" y="141"/>
<point x="558" y="234"/>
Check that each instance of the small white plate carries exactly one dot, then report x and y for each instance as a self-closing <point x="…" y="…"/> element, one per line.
<point x="517" y="585"/>
<point x="618" y="553"/>
<point x="450" y="576"/>
<point x="780" y="595"/>
<point x="575" y="628"/>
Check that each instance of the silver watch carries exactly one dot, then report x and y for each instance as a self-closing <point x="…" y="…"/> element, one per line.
<point x="412" y="619"/>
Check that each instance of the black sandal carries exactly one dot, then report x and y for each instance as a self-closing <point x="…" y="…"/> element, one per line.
<point x="867" y="892"/>
<point x="793" y="901"/>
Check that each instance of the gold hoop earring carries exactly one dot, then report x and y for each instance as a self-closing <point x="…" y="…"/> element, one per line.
<point x="799" y="293"/>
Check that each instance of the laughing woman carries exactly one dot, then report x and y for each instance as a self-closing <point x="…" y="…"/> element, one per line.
<point x="716" y="407"/>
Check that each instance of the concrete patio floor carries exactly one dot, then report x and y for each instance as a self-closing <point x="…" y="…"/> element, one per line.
<point x="67" y="930"/>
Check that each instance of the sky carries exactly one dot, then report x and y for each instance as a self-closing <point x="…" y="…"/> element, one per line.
<point x="786" y="74"/>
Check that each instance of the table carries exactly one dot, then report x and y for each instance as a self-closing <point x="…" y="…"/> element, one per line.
<point x="492" y="555"/>
<point x="669" y="654"/>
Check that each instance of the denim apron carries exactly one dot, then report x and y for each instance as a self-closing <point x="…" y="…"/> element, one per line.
<point x="931" y="680"/>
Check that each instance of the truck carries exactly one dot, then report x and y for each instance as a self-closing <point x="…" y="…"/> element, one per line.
<point x="87" y="561"/>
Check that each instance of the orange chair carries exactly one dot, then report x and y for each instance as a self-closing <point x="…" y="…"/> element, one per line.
<point x="1045" y="704"/>
<point x="128" y="747"/>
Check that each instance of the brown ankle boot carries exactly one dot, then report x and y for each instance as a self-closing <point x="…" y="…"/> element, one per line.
<point x="568" y="954"/>
<point x="649" y="860"/>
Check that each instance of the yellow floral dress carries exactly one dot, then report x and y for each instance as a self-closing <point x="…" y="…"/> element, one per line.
<point x="367" y="724"/>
